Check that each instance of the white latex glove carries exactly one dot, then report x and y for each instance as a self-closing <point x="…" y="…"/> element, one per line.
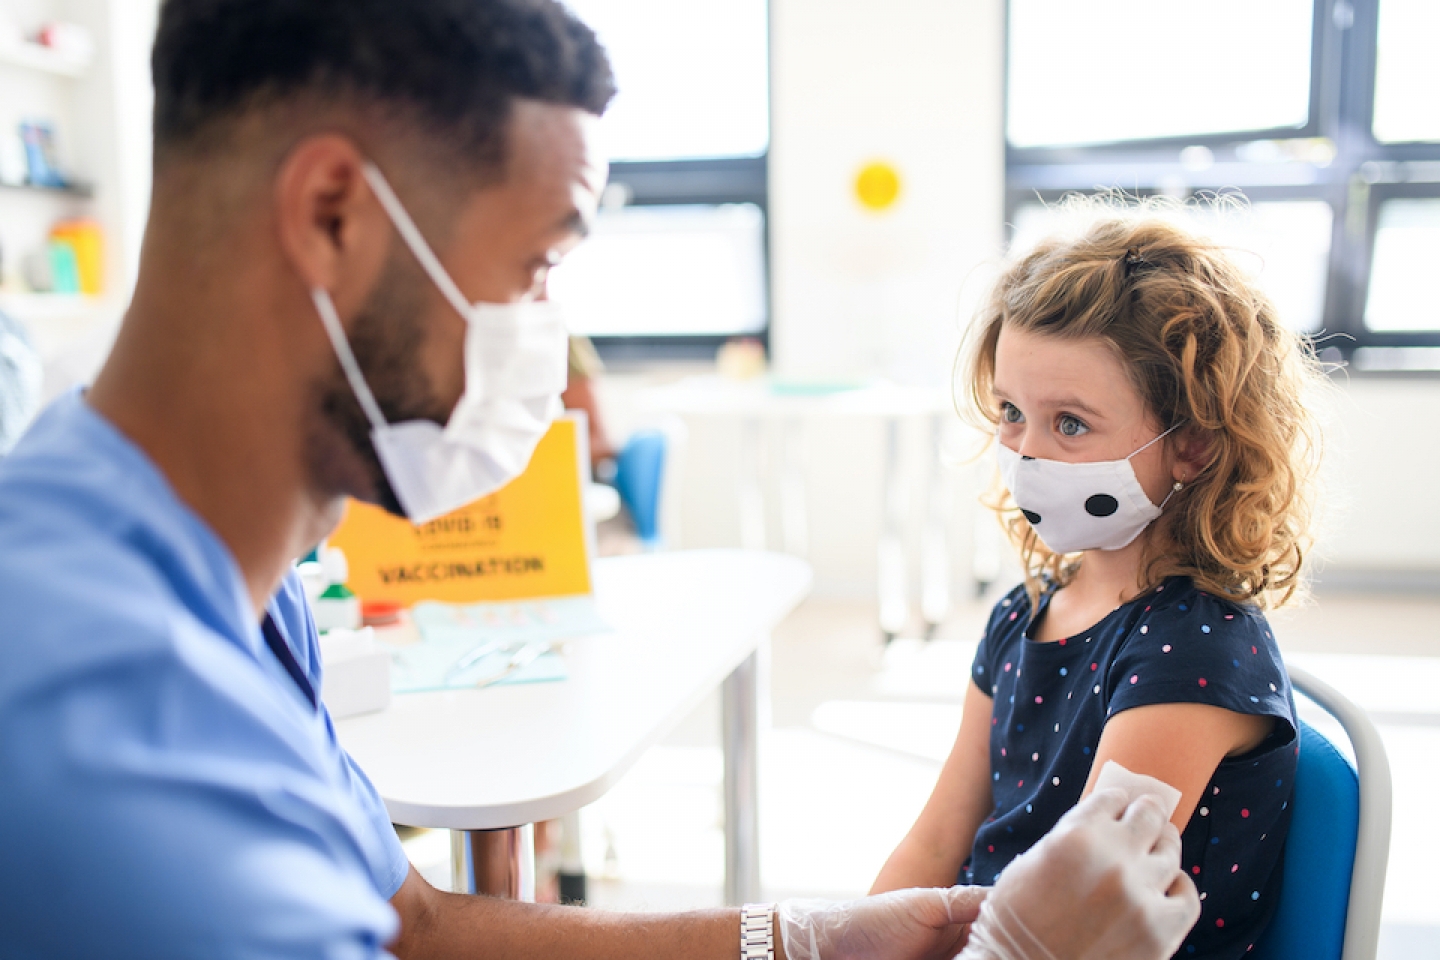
<point x="1105" y="884"/>
<point x="900" y="925"/>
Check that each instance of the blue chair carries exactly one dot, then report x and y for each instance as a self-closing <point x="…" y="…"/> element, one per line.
<point x="1339" y="841"/>
<point x="639" y="476"/>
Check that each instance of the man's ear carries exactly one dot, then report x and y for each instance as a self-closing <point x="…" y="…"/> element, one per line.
<point x="332" y="228"/>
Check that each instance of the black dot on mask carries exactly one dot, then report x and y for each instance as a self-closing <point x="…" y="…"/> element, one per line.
<point x="1101" y="505"/>
<point x="1032" y="516"/>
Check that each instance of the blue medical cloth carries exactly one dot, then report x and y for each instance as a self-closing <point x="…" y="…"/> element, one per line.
<point x="166" y="790"/>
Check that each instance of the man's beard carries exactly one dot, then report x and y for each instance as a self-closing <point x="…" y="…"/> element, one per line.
<point x="386" y="338"/>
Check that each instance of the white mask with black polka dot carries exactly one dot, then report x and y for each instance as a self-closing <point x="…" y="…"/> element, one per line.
<point x="1080" y="506"/>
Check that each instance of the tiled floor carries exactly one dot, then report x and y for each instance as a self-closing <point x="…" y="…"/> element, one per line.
<point x="858" y="734"/>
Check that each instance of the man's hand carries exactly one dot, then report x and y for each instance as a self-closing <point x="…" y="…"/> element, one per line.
<point x="901" y="925"/>
<point x="1105" y="884"/>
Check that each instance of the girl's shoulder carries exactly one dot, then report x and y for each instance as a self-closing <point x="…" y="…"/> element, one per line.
<point x="1186" y="645"/>
<point x="1006" y="628"/>
<point x="1179" y="604"/>
<point x="1014" y="607"/>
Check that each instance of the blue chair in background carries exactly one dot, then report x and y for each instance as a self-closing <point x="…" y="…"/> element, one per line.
<point x="1339" y="843"/>
<point x="639" y="477"/>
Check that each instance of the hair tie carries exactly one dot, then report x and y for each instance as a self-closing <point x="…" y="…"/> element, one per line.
<point x="1133" y="261"/>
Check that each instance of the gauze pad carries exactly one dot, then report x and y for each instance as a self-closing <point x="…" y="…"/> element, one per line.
<point x="1136" y="785"/>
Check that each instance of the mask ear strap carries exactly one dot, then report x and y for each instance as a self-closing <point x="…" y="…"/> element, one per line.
<point x="415" y="240"/>
<point x="1157" y="440"/>
<point x="331" y="321"/>
<point x="1174" y="489"/>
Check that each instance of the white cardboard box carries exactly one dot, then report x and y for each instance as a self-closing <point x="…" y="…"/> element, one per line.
<point x="356" y="672"/>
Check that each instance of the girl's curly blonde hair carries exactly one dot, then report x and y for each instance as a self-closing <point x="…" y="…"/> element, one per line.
<point x="1204" y="349"/>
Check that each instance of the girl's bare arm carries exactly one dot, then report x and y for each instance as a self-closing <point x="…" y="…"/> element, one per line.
<point x="932" y="852"/>
<point x="1179" y="743"/>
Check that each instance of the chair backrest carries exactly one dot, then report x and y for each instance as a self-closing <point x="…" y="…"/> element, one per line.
<point x="1339" y="841"/>
<point x="639" y="475"/>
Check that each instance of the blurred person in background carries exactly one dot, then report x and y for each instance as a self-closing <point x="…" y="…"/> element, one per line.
<point x="20" y="382"/>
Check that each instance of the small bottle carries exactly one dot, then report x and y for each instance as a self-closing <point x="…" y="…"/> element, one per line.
<point x="336" y="607"/>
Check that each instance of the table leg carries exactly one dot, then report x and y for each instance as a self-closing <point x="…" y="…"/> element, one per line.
<point x="496" y="863"/>
<point x="572" y="865"/>
<point x="934" y="542"/>
<point x="740" y="717"/>
<point x="752" y="484"/>
<point x="894" y="605"/>
<point x="794" y="525"/>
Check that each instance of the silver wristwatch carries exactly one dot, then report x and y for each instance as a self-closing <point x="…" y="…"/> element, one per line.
<point x="757" y="931"/>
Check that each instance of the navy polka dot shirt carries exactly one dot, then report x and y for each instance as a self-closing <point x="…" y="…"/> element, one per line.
<point x="1171" y="645"/>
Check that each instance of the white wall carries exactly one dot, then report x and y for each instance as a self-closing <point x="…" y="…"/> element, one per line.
<point x="1382" y="504"/>
<point x="917" y="84"/>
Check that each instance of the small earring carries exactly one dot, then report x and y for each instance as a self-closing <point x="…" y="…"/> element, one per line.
<point x="1178" y="486"/>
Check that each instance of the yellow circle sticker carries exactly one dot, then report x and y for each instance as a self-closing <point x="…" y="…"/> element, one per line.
<point x="877" y="186"/>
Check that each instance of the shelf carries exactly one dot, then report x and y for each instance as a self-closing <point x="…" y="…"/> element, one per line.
<point x="45" y="307"/>
<point x="32" y="56"/>
<point x="58" y="322"/>
<point x="78" y="191"/>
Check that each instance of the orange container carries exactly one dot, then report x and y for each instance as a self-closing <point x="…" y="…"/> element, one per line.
<point x="88" y="241"/>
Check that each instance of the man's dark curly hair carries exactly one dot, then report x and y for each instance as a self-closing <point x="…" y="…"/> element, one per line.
<point x="452" y="67"/>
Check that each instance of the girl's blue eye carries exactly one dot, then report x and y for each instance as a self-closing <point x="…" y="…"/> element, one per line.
<point x="1010" y="413"/>
<point x="1071" y="426"/>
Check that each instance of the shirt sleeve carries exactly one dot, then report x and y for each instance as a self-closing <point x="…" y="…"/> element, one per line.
<point x="168" y="810"/>
<point x="1200" y="649"/>
<point x="1014" y="605"/>
<point x="389" y="864"/>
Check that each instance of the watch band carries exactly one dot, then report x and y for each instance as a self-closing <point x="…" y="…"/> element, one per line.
<point x="757" y="931"/>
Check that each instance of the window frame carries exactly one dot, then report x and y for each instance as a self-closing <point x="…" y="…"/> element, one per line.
<point x="671" y="182"/>
<point x="703" y="181"/>
<point x="1362" y="173"/>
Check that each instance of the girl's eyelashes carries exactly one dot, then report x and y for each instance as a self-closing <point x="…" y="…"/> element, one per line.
<point x="1069" y="426"/>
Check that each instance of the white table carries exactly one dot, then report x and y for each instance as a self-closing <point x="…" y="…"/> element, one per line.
<point x="755" y="402"/>
<point x="502" y="758"/>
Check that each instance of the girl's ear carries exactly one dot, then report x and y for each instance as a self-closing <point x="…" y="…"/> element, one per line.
<point x="1192" y="453"/>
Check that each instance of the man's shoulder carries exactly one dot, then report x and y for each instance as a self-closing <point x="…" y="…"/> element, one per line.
<point x="92" y="537"/>
<point x="72" y="463"/>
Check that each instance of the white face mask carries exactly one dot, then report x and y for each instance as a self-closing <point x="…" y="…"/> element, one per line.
<point x="1080" y="506"/>
<point x="515" y="371"/>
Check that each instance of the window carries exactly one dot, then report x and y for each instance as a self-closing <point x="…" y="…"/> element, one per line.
<point x="677" y="263"/>
<point x="1407" y="72"/>
<point x="1322" y="113"/>
<point x="1106" y="71"/>
<point x="1283" y="244"/>
<point x="665" y="270"/>
<point x="1403" y="288"/>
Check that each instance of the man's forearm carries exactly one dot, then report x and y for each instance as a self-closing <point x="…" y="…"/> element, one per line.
<point x="446" y="925"/>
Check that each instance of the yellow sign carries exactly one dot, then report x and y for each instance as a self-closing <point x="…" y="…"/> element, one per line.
<point x="526" y="540"/>
<point x="877" y="185"/>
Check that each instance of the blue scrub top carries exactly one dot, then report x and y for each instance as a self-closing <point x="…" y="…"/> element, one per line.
<point x="166" y="790"/>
